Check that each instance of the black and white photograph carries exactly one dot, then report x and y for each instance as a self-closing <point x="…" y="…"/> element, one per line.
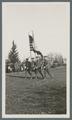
<point x="35" y="59"/>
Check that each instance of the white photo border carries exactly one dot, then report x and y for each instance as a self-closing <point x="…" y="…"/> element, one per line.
<point x="67" y="115"/>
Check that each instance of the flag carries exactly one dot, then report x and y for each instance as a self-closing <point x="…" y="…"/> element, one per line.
<point x="32" y="47"/>
<point x="38" y="52"/>
<point x="31" y="41"/>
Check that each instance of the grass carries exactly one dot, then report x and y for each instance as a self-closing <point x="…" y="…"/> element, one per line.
<point x="36" y="96"/>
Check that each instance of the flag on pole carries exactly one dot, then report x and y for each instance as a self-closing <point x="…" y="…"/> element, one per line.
<point x="31" y="41"/>
<point x="32" y="46"/>
<point x="38" y="52"/>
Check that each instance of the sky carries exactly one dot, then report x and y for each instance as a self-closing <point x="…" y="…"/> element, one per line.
<point x="49" y="22"/>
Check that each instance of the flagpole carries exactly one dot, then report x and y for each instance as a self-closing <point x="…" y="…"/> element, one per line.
<point x="30" y="54"/>
<point x="34" y="43"/>
<point x="30" y="50"/>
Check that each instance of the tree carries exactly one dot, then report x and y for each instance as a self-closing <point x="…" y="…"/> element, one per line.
<point x="13" y="54"/>
<point x="59" y="59"/>
<point x="50" y="58"/>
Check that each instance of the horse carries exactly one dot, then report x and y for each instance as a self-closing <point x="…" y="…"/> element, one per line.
<point x="35" y="69"/>
<point x="45" y="68"/>
<point x="40" y="66"/>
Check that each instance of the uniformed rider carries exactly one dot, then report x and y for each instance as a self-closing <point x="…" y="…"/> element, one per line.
<point x="33" y="64"/>
<point x="28" y="66"/>
<point x="46" y="69"/>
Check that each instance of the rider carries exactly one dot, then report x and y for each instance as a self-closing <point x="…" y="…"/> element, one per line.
<point x="36" y="67"/>
<point x="39" y="66"/>
<point x="33" y="64"/>
<point x="28" y="66"/>
<point x="45" y="63"/>
<point x="45" y="67"/>
<point x="27" y="63"/>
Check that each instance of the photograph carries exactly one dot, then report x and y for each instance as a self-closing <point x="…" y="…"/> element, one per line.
<point x="35" y="59"/>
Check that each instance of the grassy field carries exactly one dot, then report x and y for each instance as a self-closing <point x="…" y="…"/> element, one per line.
<point x="36" y="96"/>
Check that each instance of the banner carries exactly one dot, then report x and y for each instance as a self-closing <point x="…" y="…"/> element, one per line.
<point x="32" y="48"/>
<point x="38" y="53"/>
<point x="31" y="41"/>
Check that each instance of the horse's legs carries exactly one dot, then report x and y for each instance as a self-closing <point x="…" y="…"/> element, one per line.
<point x="40" y="72"/>
<point x="44" y="73"/>
<point x="30" y="73"/>
<point x="25" y="73"/>
<point x="47" y="70"/>
<point x="35" y="74"/>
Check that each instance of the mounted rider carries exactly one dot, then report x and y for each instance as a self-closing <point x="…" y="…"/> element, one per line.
<point x="28" y="67"/>
<point x="36" y="66"/>
<point x="39" y="66"/>
<point x="33" y="64"/>
<point x="27" y="64"/>
<point x="45" y="68"/>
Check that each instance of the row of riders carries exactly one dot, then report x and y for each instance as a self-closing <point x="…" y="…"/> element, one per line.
<point x="37" y="66"/>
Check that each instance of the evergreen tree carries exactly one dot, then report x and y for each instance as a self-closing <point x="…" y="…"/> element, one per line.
<point x="13" y="54"/>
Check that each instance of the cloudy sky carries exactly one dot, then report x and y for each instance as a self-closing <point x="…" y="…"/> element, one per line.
<point x="49" y="21"/>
